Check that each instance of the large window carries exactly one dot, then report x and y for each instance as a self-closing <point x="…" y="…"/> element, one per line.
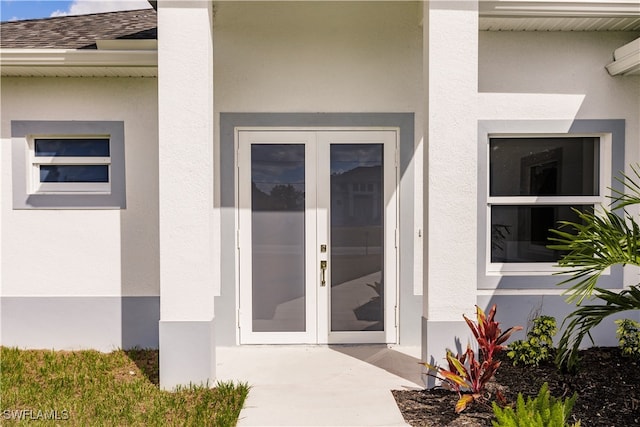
<point x="534" y="182"/>
<point x="68" y="164"/>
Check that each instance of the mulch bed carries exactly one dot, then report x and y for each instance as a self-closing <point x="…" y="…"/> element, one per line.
<point x="608" y="387"/>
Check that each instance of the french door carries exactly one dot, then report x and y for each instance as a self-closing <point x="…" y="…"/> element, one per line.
<point x="317" y="254"/>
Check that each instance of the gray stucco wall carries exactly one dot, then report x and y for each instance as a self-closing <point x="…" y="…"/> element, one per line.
<point x="71" y="323"/>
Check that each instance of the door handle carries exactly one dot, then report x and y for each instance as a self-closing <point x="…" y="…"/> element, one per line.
<point x="323" y="269"/>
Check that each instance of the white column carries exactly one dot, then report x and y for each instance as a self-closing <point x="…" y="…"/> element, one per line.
<point x="450" y="61"/>
<point x="187" y="263"/>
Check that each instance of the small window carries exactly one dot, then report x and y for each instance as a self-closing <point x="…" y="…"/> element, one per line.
<point x="70" y="165"/>
<point x="535" y="182"/>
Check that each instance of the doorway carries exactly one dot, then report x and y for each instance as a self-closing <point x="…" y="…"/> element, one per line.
<point x="317" y="226"/>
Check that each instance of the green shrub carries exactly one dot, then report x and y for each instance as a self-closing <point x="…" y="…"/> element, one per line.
<point x="538" y="345"/>
<point x="543" y="411"/>
<point x="628" y="333"/>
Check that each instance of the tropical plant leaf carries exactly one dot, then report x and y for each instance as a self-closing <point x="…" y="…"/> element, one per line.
<point x="462" y="371"/>
<point x="582" y="320"/>
<point x="455" y="380"/>
<point x="599" y="242"/>
<point x="464" y="401"/>
<point x="630" y="194"/>
<point x="488" y="333"/>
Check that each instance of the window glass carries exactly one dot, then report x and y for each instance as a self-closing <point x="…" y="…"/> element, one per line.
<point x="74" y="173"/>
<point x="549" y="167"/>
<point x="544" y="166"/>
<point x="521" y="233"/>
<point x="71" y="147"/>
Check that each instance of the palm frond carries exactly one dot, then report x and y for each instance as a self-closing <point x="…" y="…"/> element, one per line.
<point x="580" y="322"/>
<point x="630" y="194"/>
<point x="596" y="243"/>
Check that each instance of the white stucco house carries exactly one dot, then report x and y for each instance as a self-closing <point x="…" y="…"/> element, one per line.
<point x="236" y="173"/>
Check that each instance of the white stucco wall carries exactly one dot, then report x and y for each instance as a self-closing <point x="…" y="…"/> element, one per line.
<point x="546" y="80"/>
<point x="317" y="56"/>
<point x="187" y="232"/>
<point x="84" y="252"/>
<point x="555" y="76"/>
<point x="186" y="130"/>
<point x="450" y="58"/>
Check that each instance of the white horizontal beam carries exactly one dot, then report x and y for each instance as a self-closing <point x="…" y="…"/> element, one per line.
<point x="78" y="58"/>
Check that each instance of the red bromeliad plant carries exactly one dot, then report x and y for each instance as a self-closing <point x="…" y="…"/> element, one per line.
<point x="466" y="375"/>
<point x="488" y="334"/>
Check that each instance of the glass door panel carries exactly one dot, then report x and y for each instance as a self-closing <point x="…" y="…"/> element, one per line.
<point x="278" y="237"/>
<point x="357" y="211"/>
<point x="357" y="237"/>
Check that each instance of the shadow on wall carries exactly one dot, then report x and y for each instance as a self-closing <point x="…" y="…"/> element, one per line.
<point x="140" y="320"/>
<point x="139" y="255"/>
<point x="518" y="309"/>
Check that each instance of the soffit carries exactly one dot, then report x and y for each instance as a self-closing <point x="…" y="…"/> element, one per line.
<point x="492" y="23"/>
<point x="548" y="15"/>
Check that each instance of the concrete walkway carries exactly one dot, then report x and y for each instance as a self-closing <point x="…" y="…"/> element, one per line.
<point x="321" y="385"/>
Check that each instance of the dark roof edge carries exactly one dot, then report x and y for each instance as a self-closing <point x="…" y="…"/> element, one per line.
<point x="75" y="16"/>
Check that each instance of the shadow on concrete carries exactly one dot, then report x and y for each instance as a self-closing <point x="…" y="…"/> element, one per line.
<point x="396" y="362"/>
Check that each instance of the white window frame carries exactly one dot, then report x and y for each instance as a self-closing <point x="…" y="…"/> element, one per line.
<point x="604" y="180"/>
<point x="28" y="195"/>
<point x="37" y="187"/>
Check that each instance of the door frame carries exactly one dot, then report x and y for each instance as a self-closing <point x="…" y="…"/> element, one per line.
<point x="318" y="329"/>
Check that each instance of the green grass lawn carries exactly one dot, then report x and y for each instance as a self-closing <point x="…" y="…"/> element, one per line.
<point x="89" y="388"/>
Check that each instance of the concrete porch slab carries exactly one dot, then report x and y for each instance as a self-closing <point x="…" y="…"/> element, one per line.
<point x="321" y="385"/>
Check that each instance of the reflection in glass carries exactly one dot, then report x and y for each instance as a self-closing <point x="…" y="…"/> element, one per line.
<point x="74" y="173"/>
<point x="357" y="240"/>
<point x="71" y="147"/>
<point x="521" y="233"/>
<point x="544" y="166"/>
<point x="278" y="240"/>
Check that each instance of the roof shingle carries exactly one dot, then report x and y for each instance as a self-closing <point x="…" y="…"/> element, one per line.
<point x="79" y="32"/>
